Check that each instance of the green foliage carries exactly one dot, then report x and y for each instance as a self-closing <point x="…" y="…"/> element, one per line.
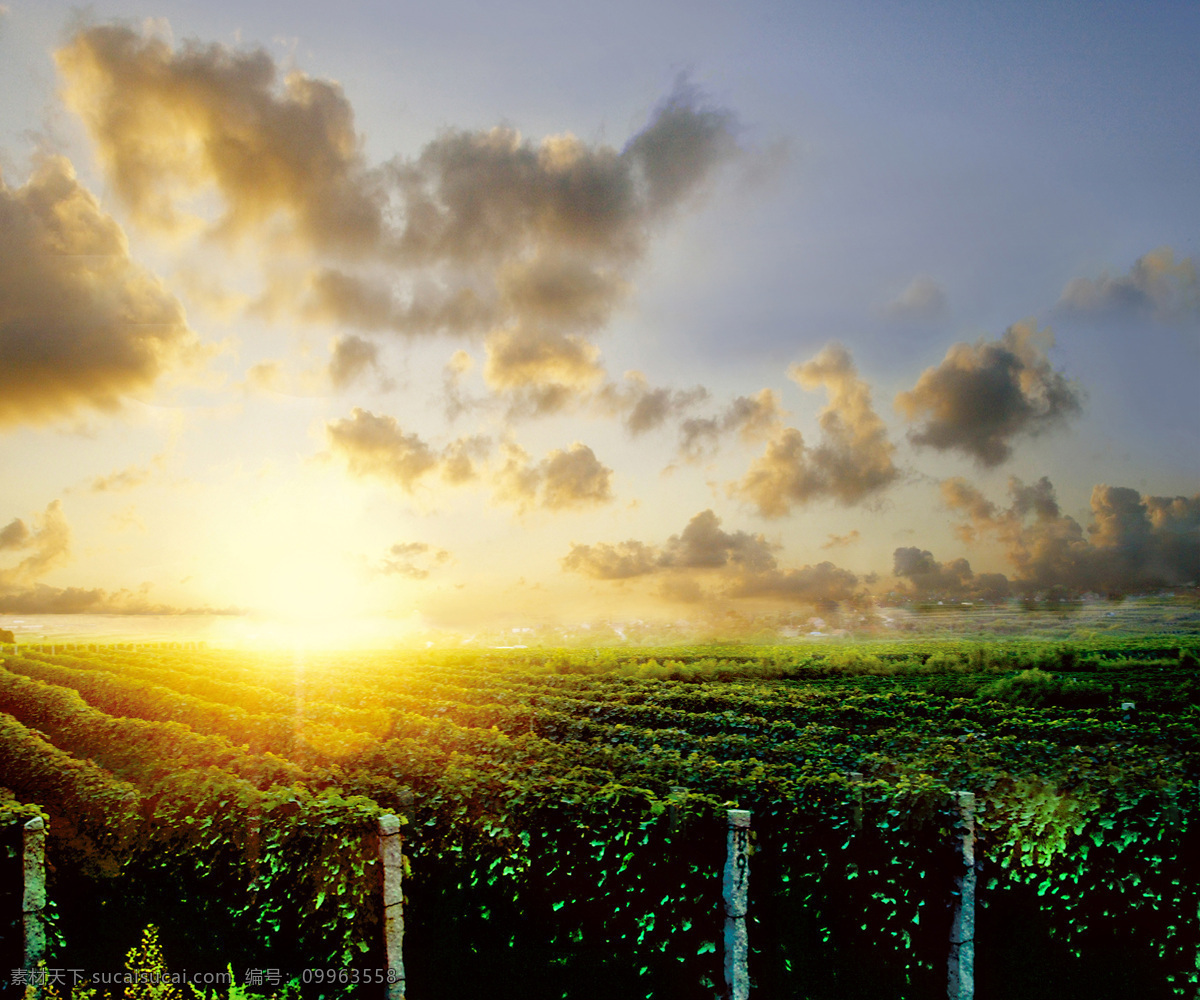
<point x="92" y="815"/>
<point x="145" y="964"/>
<point x="1033" y="688"/>
<point x="14" y="812"/>
<point x="147" y="977"/>
<point x="1031" y="822"/>
<point x="546" y="833"/>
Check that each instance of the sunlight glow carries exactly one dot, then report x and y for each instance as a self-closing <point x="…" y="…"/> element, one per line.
<point x="324" y="632"/>
<point x="303" y="587"/>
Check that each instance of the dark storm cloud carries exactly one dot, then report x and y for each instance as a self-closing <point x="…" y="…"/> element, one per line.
<point x="43" y="600"/>
<point x="925" y="572"/>
<point x="982" y="396"/>
<point x="475" y="196"/>
<point x="81" y="324"/>
<point x="1046" y="548"/>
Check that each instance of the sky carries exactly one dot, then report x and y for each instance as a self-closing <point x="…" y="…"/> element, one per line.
<point x="470" y="315"/>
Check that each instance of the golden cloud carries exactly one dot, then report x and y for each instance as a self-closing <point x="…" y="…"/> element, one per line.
<point x="350" y="358"/>
<point x="81" y="323"/>
<point x="852" y="460"/>
<point x="172" y="124"/>
<point x="564" y="479"/>
<point x="1133" y="543"/>
<point x="1155" y="284"/>
<point x="984" y="395"/>
<point x="742" y="565"/>
<point x="544" y="369"/>
<point x="642" y="406"/>
<point x="375" y="446"/>
<point x="482" y="231"/>
<point x="49" y="542"/>
<point x="414" y="560"/>
<point x="753" y="418"/>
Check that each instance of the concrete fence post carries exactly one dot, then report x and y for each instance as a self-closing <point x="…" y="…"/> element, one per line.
<point x="393" y="901"/>
<point x="856" y="779"/>
<point x="961" y="982"/>
<point x="735" y="893"/>
<point x="34" y="901"/>
<point x="408" y="806"/>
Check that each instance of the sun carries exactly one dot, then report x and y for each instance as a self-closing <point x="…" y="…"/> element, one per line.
<point x="265" y="632"/>
<point x="304" y="585"/>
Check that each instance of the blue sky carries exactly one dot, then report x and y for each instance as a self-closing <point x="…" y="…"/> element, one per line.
<point x="896" y="179"/>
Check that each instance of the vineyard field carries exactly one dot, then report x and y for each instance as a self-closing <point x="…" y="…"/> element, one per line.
<point x="564" y="813"/>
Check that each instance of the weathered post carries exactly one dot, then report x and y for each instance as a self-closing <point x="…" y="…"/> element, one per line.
<point x="393" y="902"/>
<point x="961" y="984"/>
<point x="856" y="779"/>
<point x="408" y="806"/>
<point x="34" y="901"/>
<point x="737" y="877"/>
